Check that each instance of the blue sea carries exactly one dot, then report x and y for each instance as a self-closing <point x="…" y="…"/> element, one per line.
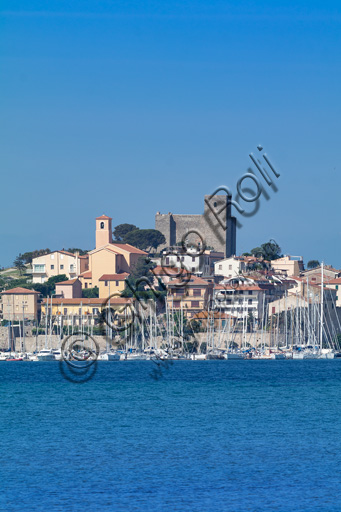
<point x="196" y="436"/>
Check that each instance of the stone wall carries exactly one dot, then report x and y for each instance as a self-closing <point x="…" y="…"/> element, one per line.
<point x="217" y="228"/>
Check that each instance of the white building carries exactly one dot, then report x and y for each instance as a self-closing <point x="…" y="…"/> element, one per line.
<point x="230" y="267"/>
<point x="240" y="300"/>
<point x="201" y="265"/>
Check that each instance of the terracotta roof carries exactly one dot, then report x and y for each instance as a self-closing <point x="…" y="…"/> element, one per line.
<point x="87" y="302"/>
<point x="128" y="248"/>
<point x="19" y="291"/>
<point x="193" y="281"/>
<point x="114" y="277"/>
<point x="70" y="281"/>
<point x="335" y="281"/>
<point x="217" y="315"/>
<point x="168" y="271"/>
<point x="86" y="275"/>
<point x="103" y="217"/>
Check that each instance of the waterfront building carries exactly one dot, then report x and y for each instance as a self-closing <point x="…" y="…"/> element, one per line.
<point x="83" y="311"/>
<point x="335" y="284"/>
<point x="190" y="296"/>
<point x="20" y="303"/>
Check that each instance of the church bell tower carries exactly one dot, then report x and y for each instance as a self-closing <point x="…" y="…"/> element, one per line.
<point x="103" y="231"/>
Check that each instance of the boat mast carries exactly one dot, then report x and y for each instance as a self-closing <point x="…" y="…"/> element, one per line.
<point x="321" y="321"/>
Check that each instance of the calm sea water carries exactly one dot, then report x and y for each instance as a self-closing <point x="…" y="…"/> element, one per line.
<point x="208" y="436"/>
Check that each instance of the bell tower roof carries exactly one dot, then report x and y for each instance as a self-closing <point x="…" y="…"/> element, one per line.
<point x="103" y="217"/>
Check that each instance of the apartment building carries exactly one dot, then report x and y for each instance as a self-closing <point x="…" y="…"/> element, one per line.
<point x="56" y="263"/>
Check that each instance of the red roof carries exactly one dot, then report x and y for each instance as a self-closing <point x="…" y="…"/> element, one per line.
<point x="114" y="277"/>
<point x="217" y="315"/>
<point x="86" y="275"/>
<point x="169" y="271"/>
<point x="70" y="281"/>
<point x="193" y="281"/>
<point x="337" y="280"/>
<point x="19" y="291"/>
<point x="103" y="217"/>
<point x="128" y="248"/>
<point x="86" y="302"/>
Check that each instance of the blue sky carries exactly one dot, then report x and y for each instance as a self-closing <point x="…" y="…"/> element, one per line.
<point x="129" y="108"/>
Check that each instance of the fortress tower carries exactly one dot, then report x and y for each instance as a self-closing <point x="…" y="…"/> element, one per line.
<point x="215" y="225"/>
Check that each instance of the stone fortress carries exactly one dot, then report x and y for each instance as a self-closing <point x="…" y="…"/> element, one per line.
<point x="215" y="226"/>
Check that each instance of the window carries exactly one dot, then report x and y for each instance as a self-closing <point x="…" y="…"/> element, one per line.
<point x="116" y="283"/>
<point x="197" y="293"/>
<point x="250" y="301"/>
<point x="95" y="311"/>
<point x="86" y="285"/>
<point x="182" y="258"/>
<point x="102" y="225"/>
<point x="65" y="311"/>
<point x="193" y="258"/>
<point x="52" y="267"/>
<point x="230" y="267"/>
<point x="180" y="291"/>
<point x="61" y="267"/>
<point x="194" y="304"/>
<point x="220" y="267"/>
<point x="167" y="261"/>
<point x="193" y="269"/>
<point x="250" y="292"/>
<point x="176" y="304"/>
<point x="105" y="283"/>
<point x="39" y="268"/>
<point x="79" y="311"/>
<point x="273" y="310"/>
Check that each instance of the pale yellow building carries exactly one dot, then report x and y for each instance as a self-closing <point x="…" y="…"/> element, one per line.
<point x="288" y="265"/>
<point x="112" y="283"/>
<point x="20" y="303"/>
<point x="57" y="263"/>
<point x="84" y="311"/>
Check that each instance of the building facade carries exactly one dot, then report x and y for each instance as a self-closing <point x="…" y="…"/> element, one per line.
<point x="20" y="303"/>
<point x="57" y="263"/>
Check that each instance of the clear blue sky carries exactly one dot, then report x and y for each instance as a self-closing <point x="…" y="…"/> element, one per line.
<point x="128" y="108"/>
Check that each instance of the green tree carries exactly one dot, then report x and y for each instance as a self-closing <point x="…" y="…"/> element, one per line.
<point x="90" y="293"/>
<point x="82" y="252"/>
<point x="313" y="264"/>
<point x="145" y="239"/>
<point x="49" y="287"/>
<point x="269" y="251"/>
<point x="19" y="264"/>
<point x="122" y="230"/>
<point x="28" y="256"/>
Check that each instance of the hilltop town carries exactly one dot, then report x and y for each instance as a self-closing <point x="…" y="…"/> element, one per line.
<point x="258" y="297"/>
